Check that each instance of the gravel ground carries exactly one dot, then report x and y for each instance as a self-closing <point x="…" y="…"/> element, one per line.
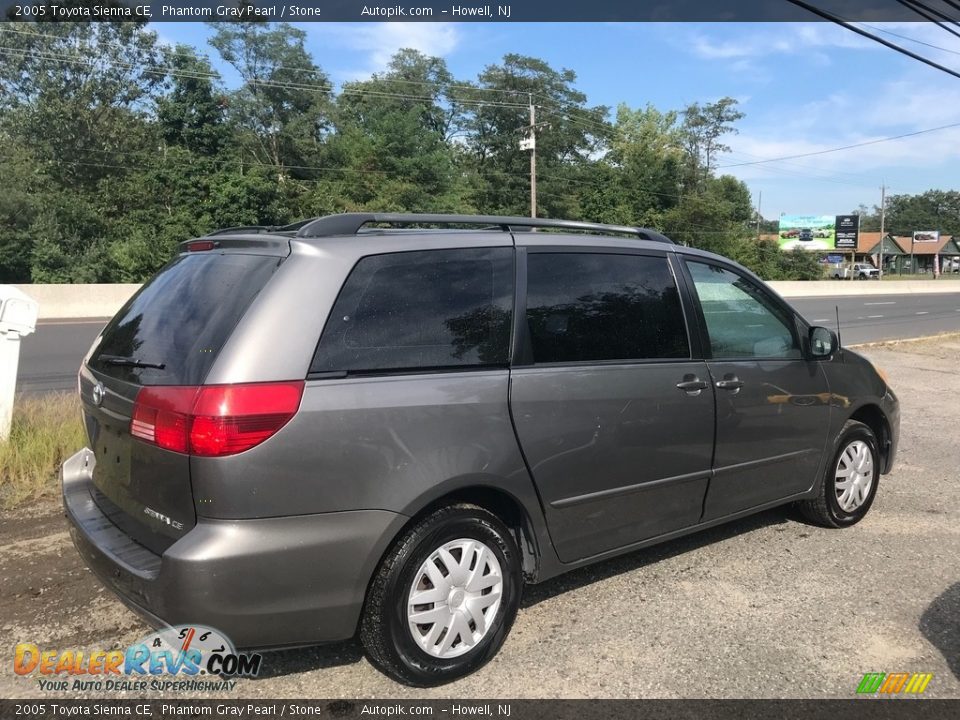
<point x="765" y="607"/>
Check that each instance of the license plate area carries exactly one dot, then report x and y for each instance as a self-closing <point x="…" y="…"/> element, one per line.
<point x="112" y="450"/>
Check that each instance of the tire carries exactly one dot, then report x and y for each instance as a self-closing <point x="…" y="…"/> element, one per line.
<point x="828" y="509"/>
<point x="385" y="628"/>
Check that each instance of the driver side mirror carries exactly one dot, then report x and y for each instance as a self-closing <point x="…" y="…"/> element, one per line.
<point x="823" y="342"/>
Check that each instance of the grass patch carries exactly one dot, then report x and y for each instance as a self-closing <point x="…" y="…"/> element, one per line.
<point x="46" y="430"/>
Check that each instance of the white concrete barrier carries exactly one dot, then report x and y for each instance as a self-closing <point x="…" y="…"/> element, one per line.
<point x="823" y="288"/>
<point x="74" y="302"/>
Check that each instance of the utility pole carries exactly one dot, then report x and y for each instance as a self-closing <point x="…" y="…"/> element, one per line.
<point x="883" y="221"/>
<point x="530" y="143"/>
<point x="759" y="216"/>
<point x="533" y="159"/>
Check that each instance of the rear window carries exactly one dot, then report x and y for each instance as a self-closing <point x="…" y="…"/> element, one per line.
<point x="436" y="309"/>
<point x="182" y="318"/>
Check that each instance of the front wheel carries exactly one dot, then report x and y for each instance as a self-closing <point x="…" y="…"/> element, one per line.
<point x="444" y="597"/>
<point x="850" y="482"/>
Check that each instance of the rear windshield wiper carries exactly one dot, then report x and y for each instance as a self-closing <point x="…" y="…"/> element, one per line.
<point x="130" y="362"/>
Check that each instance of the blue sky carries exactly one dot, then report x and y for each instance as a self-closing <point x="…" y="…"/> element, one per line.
<point x="803" y="86"/>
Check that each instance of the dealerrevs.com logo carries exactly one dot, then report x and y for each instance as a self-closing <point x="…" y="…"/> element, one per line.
<point x="175" y="658"/>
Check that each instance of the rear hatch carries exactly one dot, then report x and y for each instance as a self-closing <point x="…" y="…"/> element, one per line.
<point x="168" y="334"/>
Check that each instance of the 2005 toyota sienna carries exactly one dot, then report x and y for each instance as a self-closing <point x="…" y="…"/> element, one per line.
<point x="388" y="424"/>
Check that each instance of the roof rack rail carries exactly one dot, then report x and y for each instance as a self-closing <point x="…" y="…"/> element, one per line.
<point x="351" y="223"/>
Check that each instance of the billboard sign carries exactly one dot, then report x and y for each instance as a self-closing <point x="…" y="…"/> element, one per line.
<point x="807" y="232"/>
<point x="924" y="236"/>
<point x="847" y="232"/>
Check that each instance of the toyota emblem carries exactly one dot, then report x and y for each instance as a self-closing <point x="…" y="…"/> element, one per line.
<point x="98" y="393"/>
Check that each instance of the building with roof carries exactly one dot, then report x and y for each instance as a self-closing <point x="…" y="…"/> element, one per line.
<point x="901" y="255"/>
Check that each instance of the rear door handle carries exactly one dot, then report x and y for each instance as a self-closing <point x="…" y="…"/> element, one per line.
<point x="692" y="385"/>
<point x="730" y="382"/>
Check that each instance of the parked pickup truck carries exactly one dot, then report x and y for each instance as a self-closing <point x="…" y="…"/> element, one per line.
<point x="859" y="271"/>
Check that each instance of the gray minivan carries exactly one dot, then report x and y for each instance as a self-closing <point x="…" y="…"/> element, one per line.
<point x="390" y="423"/>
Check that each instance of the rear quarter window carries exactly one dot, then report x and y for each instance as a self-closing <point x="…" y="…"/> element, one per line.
<point x="423" y="310"/>
<point x="182" y="318"/>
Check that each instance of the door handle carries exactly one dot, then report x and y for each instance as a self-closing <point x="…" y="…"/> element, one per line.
<point x="692" y="385"/>
<point x="730" y="382"/>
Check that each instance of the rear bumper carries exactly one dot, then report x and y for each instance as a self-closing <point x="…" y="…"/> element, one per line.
<point x="268" y="582"/>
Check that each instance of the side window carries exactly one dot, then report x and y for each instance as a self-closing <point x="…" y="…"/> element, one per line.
<point x="594" y="307"/>
<point x="742" y="320"/>
<point x="435" y="309"/>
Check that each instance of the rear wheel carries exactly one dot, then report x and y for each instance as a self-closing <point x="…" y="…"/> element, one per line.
<point x="850" y="482"/>
<point x="444" y="597"/>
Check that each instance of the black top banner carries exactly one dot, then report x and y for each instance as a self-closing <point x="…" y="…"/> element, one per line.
<point x="474" y="10"/>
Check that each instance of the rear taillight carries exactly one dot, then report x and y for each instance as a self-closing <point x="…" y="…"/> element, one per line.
<point x="213" y="420"/>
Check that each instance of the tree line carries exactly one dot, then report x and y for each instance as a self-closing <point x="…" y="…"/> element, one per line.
<point x="931" y="210"/>
<point x="114" y="147"/>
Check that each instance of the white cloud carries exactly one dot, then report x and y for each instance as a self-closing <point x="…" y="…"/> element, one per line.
<point x="378" y="42"/>
<point x="813" y="43"/>
<point x="869" y="93"/>
<point x="809" y="39"/>
<point x="927" y="151"/>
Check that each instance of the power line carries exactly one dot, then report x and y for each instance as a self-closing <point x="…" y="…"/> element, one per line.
<point x="795" y="167"/>
<point x="290" y="68"/>
<point x="843" y="147"/>
<point x="357" y="91"/>
<point x="853" y="28"/>
<point x="935" y="11"/>
<point x="325" y="89"/>
<point x="788" y="173"/>
<point x="930" y="14"/>
<point x="568" y="113"/>
<point x="910" y="39"/>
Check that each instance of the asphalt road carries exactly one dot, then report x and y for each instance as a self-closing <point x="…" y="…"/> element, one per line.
<point x="49" y="358"/>
<point x="872" y="318"/>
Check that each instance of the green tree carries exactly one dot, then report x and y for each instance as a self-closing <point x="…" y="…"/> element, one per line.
<point x="573" y="135"/>
<point x="392" y="146"/>
<point x="193" y="114"/>
<point x="22" y="202"/>
<point x="931" y="210"/>
<point x="869" y="218"/>
<point x="75" y="100"/>
<point x="646" y="154"/>
<point x="703" y="129"/>
<point x="285" y="100"/>
<point x="715" y="219"/>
